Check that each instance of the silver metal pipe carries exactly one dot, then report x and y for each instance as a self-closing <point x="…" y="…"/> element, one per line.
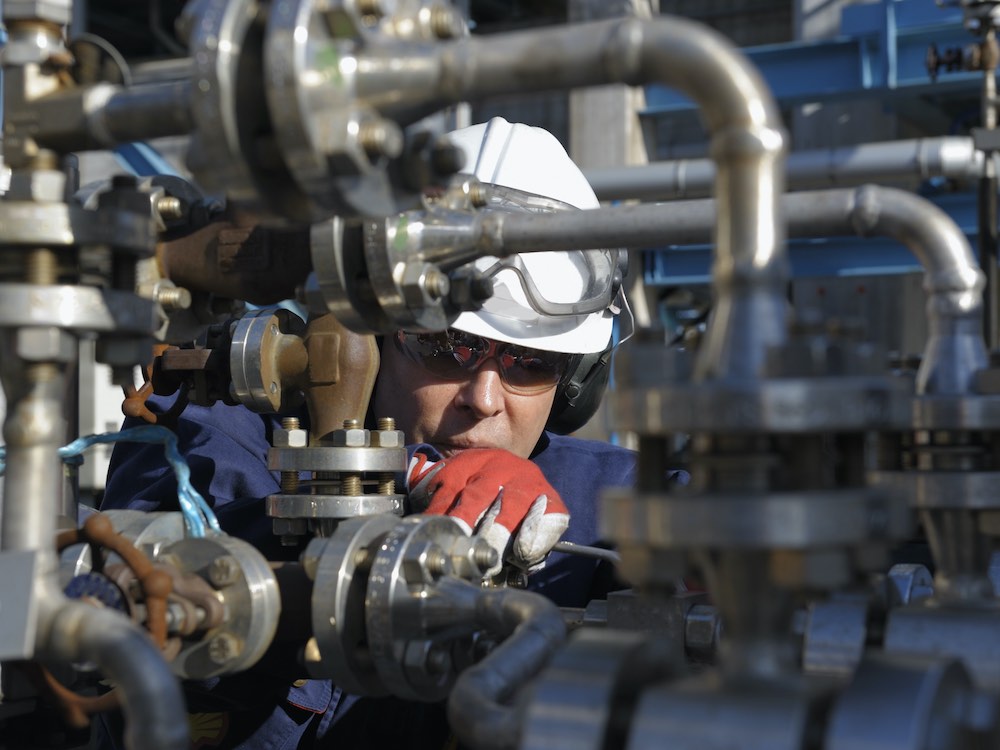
<point x="956" y="347"/>
<point x="952" y="157"/>
<point x="71" y="631"/>
<point x="155" y="713"/>
<point x="747" y="143"/>
<point x="478" y="707"/>
<point x="146" y="111"/>
<point x="33" y="431"/>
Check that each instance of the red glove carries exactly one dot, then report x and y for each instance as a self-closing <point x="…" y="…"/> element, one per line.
<point x="495" y="494"/>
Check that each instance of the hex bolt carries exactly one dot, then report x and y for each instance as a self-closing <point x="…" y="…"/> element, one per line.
<point x="223" y="648"/>
<point x="170" y="207"/>
<point x="223" y="571"/>
<point x="436" y="284"/>
<point x="701" y="629"/>
<point x="436" y="561"/>
<point x="380" y="138"/>
<point x="483" y="555"/>
<point x="173" y="298"/>
<point x="289" y="479"/>
<point x="42" y="266"/>
<point x="386" y="480"/>
<point x="477" y="194"/>
<point x="444" y="22"/>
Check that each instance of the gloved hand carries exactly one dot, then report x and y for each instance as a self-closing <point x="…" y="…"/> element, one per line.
<point x="497" y="495"/>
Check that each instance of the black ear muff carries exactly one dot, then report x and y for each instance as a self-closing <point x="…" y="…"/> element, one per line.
<point x="579" y="393"/>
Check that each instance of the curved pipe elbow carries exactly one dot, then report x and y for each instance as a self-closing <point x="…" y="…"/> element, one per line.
<point x="155" y="713"/>
<point x="477" y="707"/>
<point x="953" y="280"/>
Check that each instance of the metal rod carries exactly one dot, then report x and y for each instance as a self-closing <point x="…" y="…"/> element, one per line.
<point x="953" y="157"/>
<point x="583" y="550"/>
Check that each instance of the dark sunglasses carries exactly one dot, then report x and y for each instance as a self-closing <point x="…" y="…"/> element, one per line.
<point x="454" y="355"/>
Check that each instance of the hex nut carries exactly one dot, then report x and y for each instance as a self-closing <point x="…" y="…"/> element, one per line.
<point x="350" y="438"/>
<point x="414" y="288"/>
<point x="42" y="186"/>
<point x="907" y="583"/>
<point x="701" y="628"/>
<point x="282" y="438"/>
<point x="224" y="647"/>
<point x="45" y="344"/>
<point x="388" y="438"/>
<point x="223" y="571"/>
<point x="57" y="11"/>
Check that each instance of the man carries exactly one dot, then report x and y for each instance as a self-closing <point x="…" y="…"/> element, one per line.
<point x="476" y="401"/>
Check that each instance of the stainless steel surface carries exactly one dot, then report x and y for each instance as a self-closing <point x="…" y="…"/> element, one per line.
<point x="332" y="507"/>
<point x="911" y="695"/>
<point x="967" y="634"/>
<point x="835" y="636"/>
<point x="781" y="405"/>
<point x="250" y="598"/>
<point x="75" y="308"/>
<point x="218" y="43"/>
<point x="918" y="159"/>
<point x="595" y="679"/>
<point x="339" y="568"/>
<point x="340" y="458"/>
<point x="19" y="615"/>
<point x="783" y="520"/>
<point x="151" y="697"/>
<point x="698" y="713"/>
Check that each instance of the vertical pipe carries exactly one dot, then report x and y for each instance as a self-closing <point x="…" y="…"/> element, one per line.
<point x="988" y="196"/>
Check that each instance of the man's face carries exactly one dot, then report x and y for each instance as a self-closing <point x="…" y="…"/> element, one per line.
<point x="477" y="412"/>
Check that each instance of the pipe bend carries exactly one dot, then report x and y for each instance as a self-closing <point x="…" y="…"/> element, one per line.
<point x="151" y="696"/>
<point x="537" y="630"/>
<point x="951" y="269"/>
<point x="956" y="348"/>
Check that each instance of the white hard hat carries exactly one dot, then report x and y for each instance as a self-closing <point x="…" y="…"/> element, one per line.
<point x="530" y="159"/>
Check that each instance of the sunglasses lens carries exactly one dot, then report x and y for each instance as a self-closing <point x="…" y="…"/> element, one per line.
<point x="453" y="355"/>
<point x="531" y="370"/>
<point x="437" y="353"/>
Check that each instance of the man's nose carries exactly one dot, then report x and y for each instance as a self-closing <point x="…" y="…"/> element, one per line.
<point x="483" y="393"/>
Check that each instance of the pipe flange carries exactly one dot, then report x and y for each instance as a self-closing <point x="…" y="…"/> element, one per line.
<point x="595" y="678"/>
<point x="341" y="458"/>
<point x="58" y="225"/>
<point x="410" y="627"/>
<point x="778" y="520"/>
<point x="339" y="567"/>
<point x="76" y="308"/>
<point x="148" y="532"/>
<point x="943" y="490"/>
<point x="250" y="597"/>
<point x="332" y="507"/>
<point x="970" y="412"/>
<point x="336" y="145"/>
<point x="775" y="714"/>
<point x="779" y="405"/>
<point x="225" y="116"/>
<point x="266" y="352"/>
<point x="944" y="709"/>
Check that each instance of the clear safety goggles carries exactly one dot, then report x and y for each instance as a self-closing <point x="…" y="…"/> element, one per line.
<point x="455" y="355"/>
<point x="601" y="270"/>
